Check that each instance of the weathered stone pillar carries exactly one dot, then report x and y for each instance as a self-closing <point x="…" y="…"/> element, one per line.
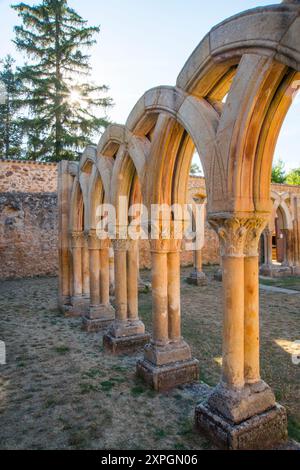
<point x="296" y="234"/>
<point x="111" y="271"/>
<point x="85" y="268"/>
<point x="64" y="188"/>
<point x="197" y="276"/>
<point x="100" y="313"/>
<point x="266" y="268"/>
<point x="132" y="280"/>
<point x="288" y="249"/>
<point x="79" y="302"/>
<point x="127" y="333"/>
<point x="242" y="408"/>
<point x="167" y="360"/>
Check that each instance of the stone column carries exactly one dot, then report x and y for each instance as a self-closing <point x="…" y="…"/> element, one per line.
<point x="111" y="271"/>
<point x="296" y="234"/>
<point x="132" y="280"/>
<point x="64" y="188"/>
<point x="167" y="360"/>
<point x="197" y="276"/>
<point x="242" y="407"/>
<point x="266" y="268"/>
<point x="127" y="333"/>
<point x="100" y="313"/>
<point x="85" y="268"/>
<point x="78" y="301"/>
<point x="288" y="249"/>
<point x="104" y="272"/>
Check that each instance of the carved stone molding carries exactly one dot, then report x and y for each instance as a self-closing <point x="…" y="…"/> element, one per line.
<point x="239" y="236"/>
<point x="77" y="239"/>
<point x="94" y="242"/>
<point x="162" y="245"/>
<point x="255" y="227"/>
<point x="120" y="245"/>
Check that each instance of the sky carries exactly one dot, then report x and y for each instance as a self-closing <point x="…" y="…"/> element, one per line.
<point x="145" y="43"/>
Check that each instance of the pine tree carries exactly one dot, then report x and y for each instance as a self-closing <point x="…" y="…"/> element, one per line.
<point x="10" y="98"/>
<point x="63" y="106"/>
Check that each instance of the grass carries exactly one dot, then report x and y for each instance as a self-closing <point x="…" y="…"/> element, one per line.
<point x="292" y="283"/>
<point x="59" y="390"/>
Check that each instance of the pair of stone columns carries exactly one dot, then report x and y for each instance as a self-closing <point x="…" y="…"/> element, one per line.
<point x="167" y="359"/>
<point x="100" y="313"/>
<point x="241" y="411"/>
<point x="127" y="333"/>
<point x="81" y="285"/>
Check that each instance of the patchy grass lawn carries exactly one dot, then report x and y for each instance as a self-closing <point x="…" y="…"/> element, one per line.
<point x="292" y="283"/>
<point x="59" y="390"/>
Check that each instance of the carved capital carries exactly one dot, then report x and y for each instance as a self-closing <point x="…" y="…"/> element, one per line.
<point x="239" y="236"/>
<point x="255" y="227"/>
<point x="162" y="245"/>
<point x="77" y="239"/>
<point x="120" y="245"/>
<point x="94" y="242"/>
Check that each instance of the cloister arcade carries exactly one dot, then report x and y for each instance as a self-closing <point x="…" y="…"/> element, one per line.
<point x="254" y="59"/>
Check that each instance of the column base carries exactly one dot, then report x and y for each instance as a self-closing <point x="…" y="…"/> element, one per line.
<point x="237" y="405"/>
<point x="262" y="431"/>
<point x="197" y="278"/>
<point x="125" y="344"/>
<point x="167" y="354"/>
<point x="79" y="306"/>
<point x="275" y="271"/>
<point x="218" y="275"/>
<point x="98" y="318"/>
<point x="168" y="376"/>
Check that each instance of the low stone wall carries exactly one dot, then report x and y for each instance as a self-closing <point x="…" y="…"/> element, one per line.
<point x="28" y="234"/>
<point x="30" y="177"/>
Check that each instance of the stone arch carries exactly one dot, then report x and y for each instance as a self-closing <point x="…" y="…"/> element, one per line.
<point x="182" y="122"/>
<point x="76" y="222"/>
<point x="270" y="31"/>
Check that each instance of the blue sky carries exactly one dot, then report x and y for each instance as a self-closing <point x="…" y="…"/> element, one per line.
<point x="144" y="43"/>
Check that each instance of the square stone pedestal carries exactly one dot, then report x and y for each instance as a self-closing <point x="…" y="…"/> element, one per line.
<point x="262" y="431"/>
<point x="197" y="278"/>
<point x="125" y="344"/>
<point x="99" y="318"/>
<point x="79" y="306"/>
<point x="168" y="376"/>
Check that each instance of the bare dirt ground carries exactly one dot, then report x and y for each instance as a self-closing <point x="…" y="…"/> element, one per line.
<point x="59" y="390"/>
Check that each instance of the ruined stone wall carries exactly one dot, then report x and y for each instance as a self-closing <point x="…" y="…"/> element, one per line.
<point x="27" y="177"/>
<point x="28" y="219"/>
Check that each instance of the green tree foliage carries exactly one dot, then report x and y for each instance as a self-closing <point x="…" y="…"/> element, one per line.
<point x="294" y="177"/>
<point x="278" y="172"/>
<point x="195" y="170"/>
<point x="63" y="107"/>
<point x="10" y="96"/>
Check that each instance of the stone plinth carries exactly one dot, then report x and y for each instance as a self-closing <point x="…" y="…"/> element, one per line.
<point x="168" y="366"/>
<point x="99" y="318"/>
<point x="124" y="344"/>
<point x="262" y="431"/>
<point x="248" y="418"/>
<point x="79" y="306"/>
<point x="275" y="271"/>
<point x="125" y="337"/>
<point x="168" y="376"/>
<point x="197" y="278"/>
